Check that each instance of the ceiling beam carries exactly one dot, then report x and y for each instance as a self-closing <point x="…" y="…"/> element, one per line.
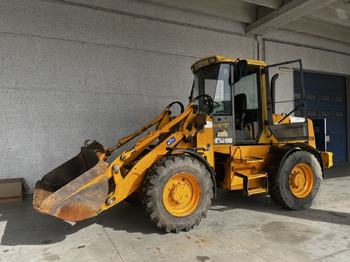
<point x="273" y="4"/>
<point x="340" y="5"/>
<point x="310" y="26"/>
<point x="332" y="16"/>
<point x="226" y="9"/>
<point x="285" y="15"/>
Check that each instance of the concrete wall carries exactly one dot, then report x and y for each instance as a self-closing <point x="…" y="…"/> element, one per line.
<point x="101" y="69"/>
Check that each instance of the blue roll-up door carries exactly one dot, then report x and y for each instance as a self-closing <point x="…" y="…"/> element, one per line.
<point x="326" y="98"/>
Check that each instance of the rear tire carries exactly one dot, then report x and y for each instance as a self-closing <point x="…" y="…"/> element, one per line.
<point x="298" y="182"/>
<point x="177" y="193"/>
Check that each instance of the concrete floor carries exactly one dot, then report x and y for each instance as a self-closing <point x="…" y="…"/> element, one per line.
<point x="237" y="228"/>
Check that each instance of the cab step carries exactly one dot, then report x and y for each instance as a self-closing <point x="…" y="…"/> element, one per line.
<point x="248" y="178"/>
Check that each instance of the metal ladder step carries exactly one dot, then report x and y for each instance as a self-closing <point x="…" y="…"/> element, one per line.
<point x="247" y="189"/>
<point x="257" y="191"/>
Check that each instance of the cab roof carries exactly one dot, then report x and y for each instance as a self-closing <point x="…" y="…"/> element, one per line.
<point x="210" y="60"/>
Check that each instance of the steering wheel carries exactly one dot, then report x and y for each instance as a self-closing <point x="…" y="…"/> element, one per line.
<point x="182" y="108"/>
<point x="207" y="101"/>
<point x="216" y="104"/>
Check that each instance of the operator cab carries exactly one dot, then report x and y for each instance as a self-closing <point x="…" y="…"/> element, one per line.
<point x="234" y="87"/>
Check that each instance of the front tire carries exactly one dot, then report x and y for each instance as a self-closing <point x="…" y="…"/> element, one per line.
<point x="297" y="184"/>
<point x="177" y="193"/>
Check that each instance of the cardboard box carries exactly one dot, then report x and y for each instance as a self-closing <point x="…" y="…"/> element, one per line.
<point x="11" y="190"/>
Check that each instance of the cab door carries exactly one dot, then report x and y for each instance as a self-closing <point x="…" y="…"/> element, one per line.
<point x="247" y="107"/>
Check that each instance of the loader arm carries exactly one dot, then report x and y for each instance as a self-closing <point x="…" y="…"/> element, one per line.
<point x="128" y="179"/>
<point x="157" y="120"/>
<point x="86" y="185"/>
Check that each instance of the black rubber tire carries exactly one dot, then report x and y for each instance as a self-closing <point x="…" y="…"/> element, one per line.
<point x="155" y="182"/>
<point x="279" y="189"/>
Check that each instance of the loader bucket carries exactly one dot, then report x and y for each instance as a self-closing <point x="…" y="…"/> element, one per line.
<point x="74" y="191"/>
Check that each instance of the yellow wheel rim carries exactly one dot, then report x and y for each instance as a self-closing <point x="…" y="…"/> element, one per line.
<point x="301" y="180"/>
<point x="181" y="194"/>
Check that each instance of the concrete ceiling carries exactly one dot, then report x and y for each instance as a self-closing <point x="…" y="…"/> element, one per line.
<point x="325" y="18"/>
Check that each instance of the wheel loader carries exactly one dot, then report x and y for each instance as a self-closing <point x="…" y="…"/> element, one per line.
<point x="229" y="136"/>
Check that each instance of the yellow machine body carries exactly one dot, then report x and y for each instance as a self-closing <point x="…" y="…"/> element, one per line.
<point x="86" y="185"/>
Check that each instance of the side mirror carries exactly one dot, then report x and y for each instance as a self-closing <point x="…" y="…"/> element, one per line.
<point x="241" y="69"/>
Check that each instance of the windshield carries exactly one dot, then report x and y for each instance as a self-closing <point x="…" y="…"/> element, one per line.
<point x="214" y="81"/>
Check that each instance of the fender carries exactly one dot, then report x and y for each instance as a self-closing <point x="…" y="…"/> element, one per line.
<point x="200" y="158"/>
<point x="279" y="155"/>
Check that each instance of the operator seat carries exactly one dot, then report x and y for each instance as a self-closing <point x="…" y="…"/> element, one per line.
<point x="240" y="110"/>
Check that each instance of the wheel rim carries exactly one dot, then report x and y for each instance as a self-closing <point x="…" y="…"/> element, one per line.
<point x="301" y="180"/>
<point x="181" y="194"/>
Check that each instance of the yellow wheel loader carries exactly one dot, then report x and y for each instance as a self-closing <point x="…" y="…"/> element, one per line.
<point x="229" y="136"/>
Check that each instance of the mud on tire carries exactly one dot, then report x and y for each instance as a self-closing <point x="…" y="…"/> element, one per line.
<point x="177" y="193"/>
